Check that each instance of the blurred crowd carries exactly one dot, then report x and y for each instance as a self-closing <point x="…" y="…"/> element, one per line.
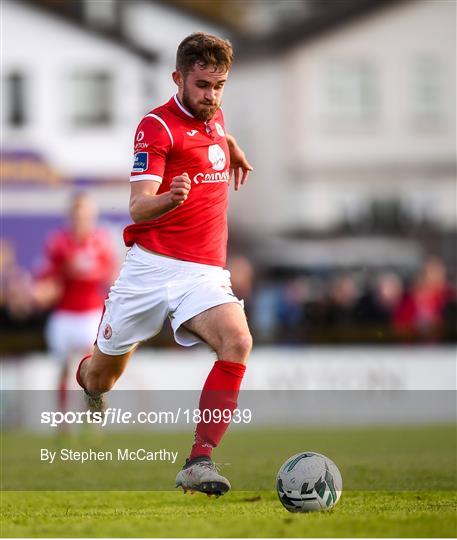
<point x="381" y="306"/>
<point x="356" y="307"/>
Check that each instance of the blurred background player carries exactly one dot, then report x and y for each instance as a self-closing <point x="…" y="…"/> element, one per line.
<point x="79" y="266"/>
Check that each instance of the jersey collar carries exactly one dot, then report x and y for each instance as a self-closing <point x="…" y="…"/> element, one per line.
<point x="207" y="125"/>
<point x="182" y="108"/>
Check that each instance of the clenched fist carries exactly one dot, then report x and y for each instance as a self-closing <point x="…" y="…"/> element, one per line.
<point x="179" y="188"/>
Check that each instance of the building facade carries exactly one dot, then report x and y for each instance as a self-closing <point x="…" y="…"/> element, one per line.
<point x="360" y="113"/>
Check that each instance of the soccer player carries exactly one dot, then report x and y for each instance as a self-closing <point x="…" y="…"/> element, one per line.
<point x="78" y="267"/>
<point x="175" y="266"/>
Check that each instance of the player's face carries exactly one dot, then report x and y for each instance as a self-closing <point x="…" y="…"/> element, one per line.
<point x="200" y="90"/>
<point x="83" y="216"/>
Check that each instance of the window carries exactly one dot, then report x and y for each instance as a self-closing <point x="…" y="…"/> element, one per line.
<point x="350" y="92"/>
<point x="91" y="99"/>
<point x="15" y="100"/>
<point x="427" y="90"/>
<point x="100" y="13"/>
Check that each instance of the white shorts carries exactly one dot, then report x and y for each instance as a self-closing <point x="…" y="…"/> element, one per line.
<point x="69" y="333"/>
<point x="151" y="288"/>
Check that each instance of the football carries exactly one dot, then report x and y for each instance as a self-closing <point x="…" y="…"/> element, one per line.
<point x="309" y="482"/>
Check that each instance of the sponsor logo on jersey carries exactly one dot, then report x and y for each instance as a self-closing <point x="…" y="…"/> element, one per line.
<point x="140" y="136"/>
<point x="192" y="133"/>
<point x="140" y="163"/>
<point x="216" y="157"/>
<point x="219" y="129"/>
<point x="211" y="178"/>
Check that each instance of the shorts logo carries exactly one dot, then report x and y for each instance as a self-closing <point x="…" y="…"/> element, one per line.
<point x="107" y="331"/>
<point x="219" y="129"/>
<point x="140" y="136"/>
<point x="140" y="163"/>
<point x="217" y="157"/>
<point x="228" y="290"/>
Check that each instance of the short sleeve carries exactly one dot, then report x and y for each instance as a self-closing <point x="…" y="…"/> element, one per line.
<point x="153" y="142"/>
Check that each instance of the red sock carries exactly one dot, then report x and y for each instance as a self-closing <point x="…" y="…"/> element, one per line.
<point x="220" y="392"/>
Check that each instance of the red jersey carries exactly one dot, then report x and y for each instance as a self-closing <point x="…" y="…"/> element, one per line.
<point x="83" y="268"/>
<point x="169" y="141"/>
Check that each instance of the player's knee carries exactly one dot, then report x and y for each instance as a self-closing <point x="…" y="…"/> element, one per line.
<point x="238" y="346"/>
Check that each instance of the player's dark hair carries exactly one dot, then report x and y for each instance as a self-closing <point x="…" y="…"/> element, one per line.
<point x="205" y="50"/>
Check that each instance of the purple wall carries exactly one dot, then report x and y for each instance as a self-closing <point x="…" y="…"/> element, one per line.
<point x="28" y="233"/>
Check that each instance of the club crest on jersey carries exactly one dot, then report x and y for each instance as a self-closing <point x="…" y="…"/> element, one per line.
<point x="140" y="162"/>
<point x="217" y="157"/>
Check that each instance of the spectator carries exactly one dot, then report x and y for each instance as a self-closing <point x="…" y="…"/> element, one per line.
<point x="242" y="277"/>
<point x="15" y="285"/>
<point x="422" y="309"/>
<point x="378" y="303"/>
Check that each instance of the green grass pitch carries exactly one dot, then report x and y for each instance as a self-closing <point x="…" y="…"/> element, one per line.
<point x="398" y="482"/>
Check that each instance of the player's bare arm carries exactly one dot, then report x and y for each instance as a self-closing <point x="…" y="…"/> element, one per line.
<point x="239" y="164"/>
<point x="45" y="292"/>
<point x="145" y="204"/>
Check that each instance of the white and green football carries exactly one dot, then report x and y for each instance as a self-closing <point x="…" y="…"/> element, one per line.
<point x="309" y="482"/>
